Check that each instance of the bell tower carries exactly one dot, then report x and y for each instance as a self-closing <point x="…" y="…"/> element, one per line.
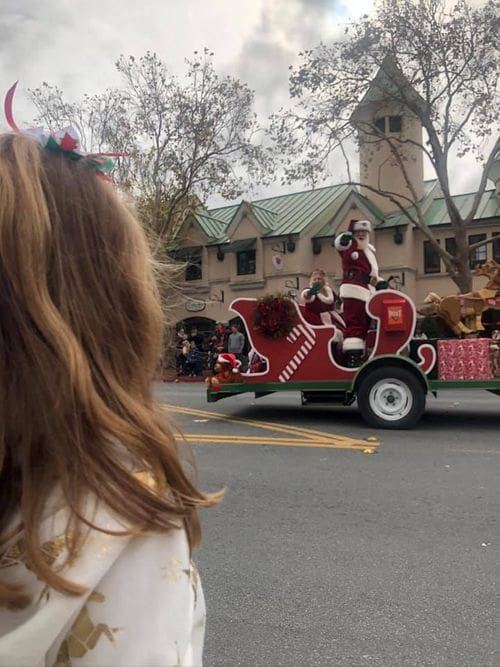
<point x="382" y="121"/>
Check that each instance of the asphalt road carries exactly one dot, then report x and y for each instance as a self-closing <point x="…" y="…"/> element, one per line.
<point x="322" y="554"/>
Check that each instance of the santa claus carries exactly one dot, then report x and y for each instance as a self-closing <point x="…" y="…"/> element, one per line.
<point x="360" y="278"/>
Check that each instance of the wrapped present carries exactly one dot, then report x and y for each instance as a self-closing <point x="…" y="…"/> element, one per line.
<point x="464" y="359"/>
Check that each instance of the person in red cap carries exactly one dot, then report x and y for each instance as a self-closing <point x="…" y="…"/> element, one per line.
<point x="360" y="276"/>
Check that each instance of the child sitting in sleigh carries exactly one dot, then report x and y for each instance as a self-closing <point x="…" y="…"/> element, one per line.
<point x="320" y="302"/>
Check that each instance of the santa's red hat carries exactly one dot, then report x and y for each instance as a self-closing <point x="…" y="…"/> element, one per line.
<point x="228" y="358"/>
<point x="360" y="225"/>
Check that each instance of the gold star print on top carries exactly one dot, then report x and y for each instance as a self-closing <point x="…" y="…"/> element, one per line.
<point x="143" y="605"/>
<point x="17" y="555"/>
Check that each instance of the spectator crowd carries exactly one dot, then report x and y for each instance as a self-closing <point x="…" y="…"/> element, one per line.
<point x="196" y="353"/>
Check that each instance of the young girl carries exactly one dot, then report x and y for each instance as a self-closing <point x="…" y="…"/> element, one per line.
<point x="319" y="300"/>
<point x="97" y="515"/>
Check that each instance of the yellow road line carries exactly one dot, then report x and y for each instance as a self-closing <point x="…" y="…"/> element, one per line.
<point x="268" y="426"/>
<point x="273" y="442"/>
<point x="252" y="438"/>
<point x="310" y="437"/>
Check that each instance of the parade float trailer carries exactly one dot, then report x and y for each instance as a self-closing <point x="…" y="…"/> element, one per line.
<point x="390" y="387"/>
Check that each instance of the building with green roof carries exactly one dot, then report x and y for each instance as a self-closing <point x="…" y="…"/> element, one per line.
<point x="272" y="245"/>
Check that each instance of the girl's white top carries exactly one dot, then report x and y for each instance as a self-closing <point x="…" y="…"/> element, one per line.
<point x="144" y="604"/>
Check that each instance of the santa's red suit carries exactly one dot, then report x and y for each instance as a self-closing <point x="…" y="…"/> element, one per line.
<point x="319" y="309"/>
<point x="359" y="270"/>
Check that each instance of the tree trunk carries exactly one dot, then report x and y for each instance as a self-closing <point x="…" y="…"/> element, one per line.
<point x="463" y="278"/>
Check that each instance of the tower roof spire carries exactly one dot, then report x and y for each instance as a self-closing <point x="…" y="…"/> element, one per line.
<point x="389" y="84"/>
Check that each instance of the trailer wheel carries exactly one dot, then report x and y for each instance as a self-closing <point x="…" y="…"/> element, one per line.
<point x="391" y="397"/>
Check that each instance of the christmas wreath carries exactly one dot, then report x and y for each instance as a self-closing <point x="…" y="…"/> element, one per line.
<point x="274" y="316"/>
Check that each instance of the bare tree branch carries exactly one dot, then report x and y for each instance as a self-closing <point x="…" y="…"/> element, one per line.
<point x="185" y="140"/>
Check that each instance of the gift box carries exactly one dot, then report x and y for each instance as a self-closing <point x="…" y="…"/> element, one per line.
<point x="467" y="359"/>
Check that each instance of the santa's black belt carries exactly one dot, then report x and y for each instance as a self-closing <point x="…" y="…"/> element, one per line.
<point x="351" y="275"/>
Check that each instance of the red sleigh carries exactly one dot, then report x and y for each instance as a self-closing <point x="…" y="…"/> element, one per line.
<point x="308" y="352"/>
<point x="390" y="386"/>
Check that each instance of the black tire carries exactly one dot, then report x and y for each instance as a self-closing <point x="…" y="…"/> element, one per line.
<point x="391" y="397"/>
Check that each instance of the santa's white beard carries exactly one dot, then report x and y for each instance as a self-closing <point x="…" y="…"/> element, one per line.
<point x="363" y="243"/>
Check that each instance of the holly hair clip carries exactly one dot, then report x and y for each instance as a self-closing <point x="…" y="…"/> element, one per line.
<point x="65" y="141"/>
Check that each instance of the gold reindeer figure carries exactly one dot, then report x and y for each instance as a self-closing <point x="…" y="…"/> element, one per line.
<point x="449" y="309"/>
<point x="491" y="270"/>
<point x="462" y="312"/>
<point x="84" y="634"/>
<point x="17" y="554"/>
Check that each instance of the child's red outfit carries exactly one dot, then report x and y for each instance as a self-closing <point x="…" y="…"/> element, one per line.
<point x="319" y="309"/>
<point x="220" y="333"/>
<point x="359" y="270"/>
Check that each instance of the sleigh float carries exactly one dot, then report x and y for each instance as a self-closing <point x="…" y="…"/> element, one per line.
<point x="390" y="386"/>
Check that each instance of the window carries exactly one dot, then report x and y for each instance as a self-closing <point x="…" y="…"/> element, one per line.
<point x="496" y="247"/>
<point x="451" y="245"/>
<point x="245" y="262"/>
<point x="478" y="256"/>
<point x="191" y="257"/>
<point x="193" y="268"/>
<point x="432" y="261"/>
<point x="394" y="123"/>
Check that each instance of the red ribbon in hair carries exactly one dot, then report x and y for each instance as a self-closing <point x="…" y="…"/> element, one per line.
<point x="67" y="144"/>
<point x="8" y="107"/>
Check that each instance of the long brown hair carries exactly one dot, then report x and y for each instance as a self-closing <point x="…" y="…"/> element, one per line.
<point x="80" y="337"/>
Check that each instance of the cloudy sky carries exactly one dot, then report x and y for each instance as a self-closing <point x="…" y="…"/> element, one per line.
<point x="74" y="43"/>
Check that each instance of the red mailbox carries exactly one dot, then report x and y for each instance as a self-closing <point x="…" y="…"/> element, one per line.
<point x="394" y="315"/>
